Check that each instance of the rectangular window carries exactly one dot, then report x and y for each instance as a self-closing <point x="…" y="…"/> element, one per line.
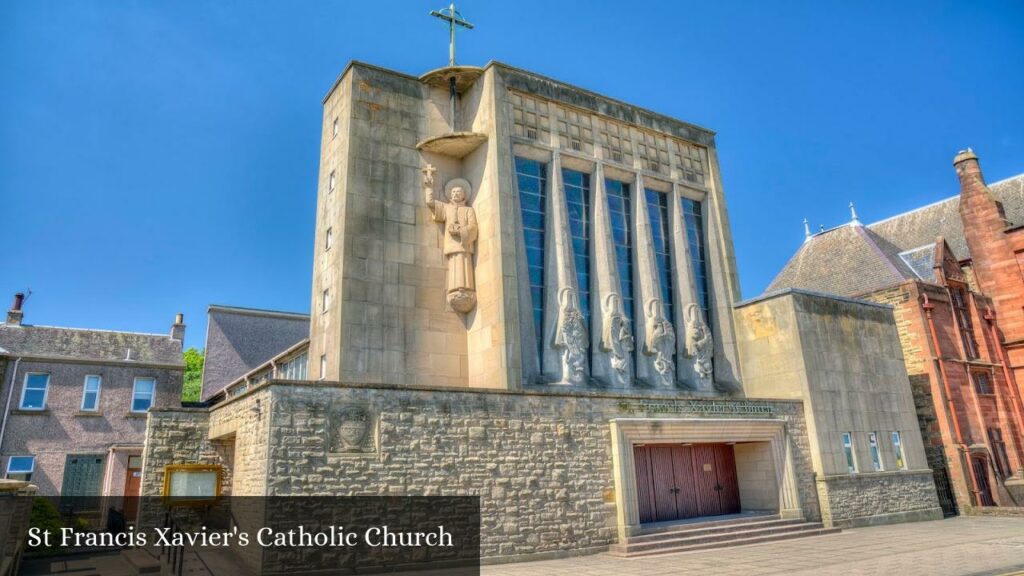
<point x="657" y="213"/>
<point x="982" y="382"/>
<point x="963" y="318"/>
<point x="851" y="458"/>
<point x="33" y="395"/>
<point x="620" y="212"/>
<point x="21" y="467"/>
<point x="876" y="456"/>
<point x="331" y="183"/>
<point x="294" y="369"/>
<point x="325" y="301"/>
<point x="693" y="215"/>
<point x="91" y="393"/>
<point x="897" y="448"/>
<point x="142" y="394"/>
<point x="531" y="179"/>
<point x="577" y="197"/>
<point x="995" y="438"/>
<point x="323" y="366"/>
<point x="329" y="239"/>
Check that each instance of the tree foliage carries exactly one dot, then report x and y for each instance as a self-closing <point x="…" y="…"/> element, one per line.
<point x="193" y="387"/>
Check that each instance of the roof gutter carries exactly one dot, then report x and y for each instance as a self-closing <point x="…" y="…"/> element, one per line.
<point x="10" y="396"/>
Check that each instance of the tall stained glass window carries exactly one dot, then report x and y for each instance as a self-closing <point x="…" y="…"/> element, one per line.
<point x="577" y="197"/>
<point x="621" y="215"/>
<point x="657" y="213"/>
<point x="693" y="214"/>
<point x="530" y="177"/>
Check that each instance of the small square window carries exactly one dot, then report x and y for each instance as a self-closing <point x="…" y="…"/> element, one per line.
<point x="331" y="183"/>
<point x="982" y="382"/>
<point x="329" y="239"/>
<point x="91" y="393"/>
<point x="142" y="394"/>
<point x="851" y="458"/>
<point x="21" y="467"/>
<point x="323" y="366"/>
<point x="33" y="395"/>
<point x="897" y="448"/>
<point x="876" y="456"/>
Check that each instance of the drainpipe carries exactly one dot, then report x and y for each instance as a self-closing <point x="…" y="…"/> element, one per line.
<point x="7" y="407"/>
<point x="950" y="410"/>
<point x="1011" y="383"/>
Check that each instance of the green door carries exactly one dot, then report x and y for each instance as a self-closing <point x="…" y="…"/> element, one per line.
<point x="83" y="475"/>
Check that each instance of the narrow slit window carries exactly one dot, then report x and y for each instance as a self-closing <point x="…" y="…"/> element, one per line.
<point x="621" y="212"/>
<point x="577" y="196"/>
<point x="897" y="448"/>
<point x="693" y="215"/>
<point x="531" y="181"/>
<point x="876" y="455"/>
<point x="657" y="213"/>
<point x="851" y="458"/>
<point x="964" y="323"/>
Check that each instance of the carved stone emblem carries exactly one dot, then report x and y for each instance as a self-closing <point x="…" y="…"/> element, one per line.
<point x="571" y="337"/>
<point x="617" y="339"/>
<point x="699" y="343"/>
<point x="460" y="234"/>
<point x="660" y="342"/>
<point x="350" y="430"/>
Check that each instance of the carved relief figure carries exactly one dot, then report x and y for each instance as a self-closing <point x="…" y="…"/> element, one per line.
<point x="460" y="234"/>
<point x="617" y="339"/>
<point x="571" y="337"/>
<point x="660" y="342"/>
<point x="699" y="342"/>
<point x="350" y="428"/>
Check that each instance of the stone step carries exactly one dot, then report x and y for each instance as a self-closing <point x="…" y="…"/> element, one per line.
<point x="705" y="530"/>
<point x="707" y="522"/>
<point x="739" y="538"/>
<point x="141" y="560"/>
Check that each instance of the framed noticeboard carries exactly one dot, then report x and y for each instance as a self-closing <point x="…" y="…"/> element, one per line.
<point x="192" y="484"/>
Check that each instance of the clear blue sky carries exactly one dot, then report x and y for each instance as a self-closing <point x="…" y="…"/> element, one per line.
<point x="157" y="157"/>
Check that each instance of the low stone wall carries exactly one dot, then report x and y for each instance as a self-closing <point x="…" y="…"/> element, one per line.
<point x="867" y="499"/>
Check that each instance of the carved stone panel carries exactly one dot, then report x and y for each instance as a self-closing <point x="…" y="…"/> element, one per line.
<point x="660" y="342"/>
<point x="350" y="430"/>
<point x="699" y="344"/>
<point x="617" y="339"/>
<point x="571" y="337"/>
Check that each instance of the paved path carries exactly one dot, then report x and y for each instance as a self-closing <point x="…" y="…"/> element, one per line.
<point x="953" y="547"/>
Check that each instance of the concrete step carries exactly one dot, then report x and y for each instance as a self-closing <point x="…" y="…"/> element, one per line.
<point x="703" y="530"/>
<point x="141" y="560"/>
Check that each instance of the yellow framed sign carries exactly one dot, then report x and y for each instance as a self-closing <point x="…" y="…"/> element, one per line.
<point x="192" y="484"/>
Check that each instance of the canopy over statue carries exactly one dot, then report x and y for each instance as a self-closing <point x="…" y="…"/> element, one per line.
<point x="460" y="233"/>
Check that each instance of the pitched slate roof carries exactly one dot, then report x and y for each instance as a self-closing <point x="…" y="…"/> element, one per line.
<point x="851" y="259"/>
<point x="239" y="340"/>
<point x="99" y="345"/>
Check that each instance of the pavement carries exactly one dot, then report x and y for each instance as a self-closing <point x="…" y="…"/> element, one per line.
<point x="958" y="546"/>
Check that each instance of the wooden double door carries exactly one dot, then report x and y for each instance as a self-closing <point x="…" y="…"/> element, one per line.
<point x="677" y="481"/>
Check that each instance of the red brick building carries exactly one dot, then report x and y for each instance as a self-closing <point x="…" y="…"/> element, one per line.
<point x="953" y="272"/>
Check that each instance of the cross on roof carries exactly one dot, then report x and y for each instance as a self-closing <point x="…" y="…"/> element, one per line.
<point x="454" y="19"/>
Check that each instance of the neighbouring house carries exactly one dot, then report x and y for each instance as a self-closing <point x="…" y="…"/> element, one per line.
<point x="76" y="402"/>
<point x="952" y="271"/>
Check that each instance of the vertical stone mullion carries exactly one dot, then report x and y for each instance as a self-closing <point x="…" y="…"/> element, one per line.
<point x="686" y="290"/>
<point x="646" y="285"/>
<point x="604" y="274"/>
<point x="723" y="289"/>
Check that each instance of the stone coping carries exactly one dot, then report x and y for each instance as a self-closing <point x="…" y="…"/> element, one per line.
<point x="556" y="393"/>
<point x="800" y="291"/>
<point x="868" y="475"/>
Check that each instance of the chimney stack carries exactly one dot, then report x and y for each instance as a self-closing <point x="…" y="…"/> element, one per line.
<point x="178" y="328"/>
<point x="14" y="315"/>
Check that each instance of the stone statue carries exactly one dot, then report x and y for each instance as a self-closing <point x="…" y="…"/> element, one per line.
<point x="571" y="337"/>
<point x="460" y="233"/>
<point x="617" y="339"/>
<point x="660" y="342"/>
<point x="699" y="343"/>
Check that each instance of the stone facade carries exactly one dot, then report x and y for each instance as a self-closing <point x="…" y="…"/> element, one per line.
<point x="844" y="358"/>
<point x="541" y="462"/>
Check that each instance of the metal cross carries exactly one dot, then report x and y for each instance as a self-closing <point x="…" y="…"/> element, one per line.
<point x="453" y="18"/>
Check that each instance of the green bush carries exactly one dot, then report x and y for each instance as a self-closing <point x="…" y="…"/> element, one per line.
<point x="46" y="517"/>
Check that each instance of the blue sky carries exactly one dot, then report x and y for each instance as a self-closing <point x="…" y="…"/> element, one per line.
<point x="157" y="157"/>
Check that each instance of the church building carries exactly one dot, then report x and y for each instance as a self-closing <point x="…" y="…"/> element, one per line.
<point x="526" y="291"/>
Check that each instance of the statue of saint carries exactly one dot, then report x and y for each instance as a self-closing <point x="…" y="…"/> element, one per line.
<point x="699" y="343"/>
<point x="571" y="337"/>
<point x="661" y="343"/>
<point x="460" y="233"/>
<point x="617" y="339"/>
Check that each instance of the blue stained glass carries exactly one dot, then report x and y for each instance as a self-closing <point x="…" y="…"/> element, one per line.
<point x="619" y="211"/>
<point x="577" y="197"/>
<point x="693" y="214"/>
<point x="657" y="214"/>
<point x="531" y="182"/>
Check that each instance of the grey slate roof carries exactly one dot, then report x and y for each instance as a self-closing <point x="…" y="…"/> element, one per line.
<point x="851" y="260"/>
<point x="239" y="340"/>
<point x="99" y="345"/>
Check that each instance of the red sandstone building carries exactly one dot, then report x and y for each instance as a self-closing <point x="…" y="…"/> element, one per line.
<point x="953" y="272"/>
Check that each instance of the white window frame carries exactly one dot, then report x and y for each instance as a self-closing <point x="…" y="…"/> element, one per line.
<point x="85" y="390"/>
<point x="847" y="438"/>
<point x="328" y="239"/>
<point x="875" y="450"/>
<point x="24" y="388"/>
<point x="11" y="459"/>
<point x="135" y="389"/>
<point x="898" y="450"/>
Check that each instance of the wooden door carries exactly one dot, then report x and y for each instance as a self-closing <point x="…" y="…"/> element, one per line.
<point x="676" y="481"/>
<point x="706" y="480"/>
<point x="685" y="491"/>
<point x="132" y="483"/>
<point x="728" y="484"/>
